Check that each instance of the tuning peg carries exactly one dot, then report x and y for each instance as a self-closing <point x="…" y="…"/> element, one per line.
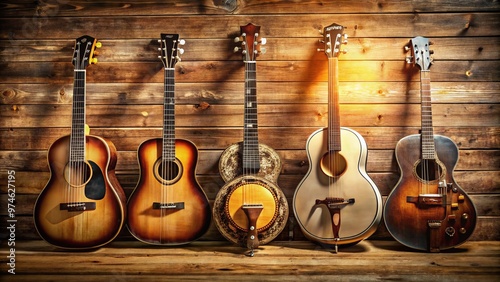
<point x="431" y="52"/>
<point x="236" y="49"/>
<point x="407" y="48"/>
<point x="180" y="50"/>
<point x="408" y="60"/>
<point x="263" y="50"/>
<point x="320" y="50"/>
<point x="182" y="42"/>
<point x="343" y="51"/>
<point x="93" y="61"/>
<point x="431" y="42"/>
<point x="178" y="58"/>
<point x="98" y="45"/>
<point x="345" y="39"/>
<point x="263" y="41"/>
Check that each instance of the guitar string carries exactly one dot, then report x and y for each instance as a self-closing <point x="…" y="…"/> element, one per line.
<point x="427" y="137"/>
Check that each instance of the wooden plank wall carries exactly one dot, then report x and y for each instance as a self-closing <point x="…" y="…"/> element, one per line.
<point x="379" y="92"/>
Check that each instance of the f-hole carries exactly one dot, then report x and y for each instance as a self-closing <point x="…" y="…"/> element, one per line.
<point x="333" y="164"/>
<point x="77" y="173"/>
<point x="168" y="171"/>
<point x="429" y="170"/>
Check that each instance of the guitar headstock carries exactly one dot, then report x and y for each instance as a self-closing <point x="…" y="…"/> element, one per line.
<point x="420" y="52"/>
<point x="333" y="37"/>
<point x="84" y="52"/>
<point x="251" y="42"/>
<point x="169" y="49"/>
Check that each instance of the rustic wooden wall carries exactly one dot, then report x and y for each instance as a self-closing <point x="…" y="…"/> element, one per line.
<point x="379" y="93"/>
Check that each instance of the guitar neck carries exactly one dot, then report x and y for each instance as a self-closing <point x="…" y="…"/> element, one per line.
<point x="169" y="115"/>
<point x="333" y="106"/>
<point x="250" y="131"/>
<point x="427" y="134"/>
<point x="77" y="138"/>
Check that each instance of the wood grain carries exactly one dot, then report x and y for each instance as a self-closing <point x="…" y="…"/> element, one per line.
<point x="379" y="92"/>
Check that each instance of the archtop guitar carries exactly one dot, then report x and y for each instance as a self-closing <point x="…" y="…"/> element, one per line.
<point x="427" y="210"/>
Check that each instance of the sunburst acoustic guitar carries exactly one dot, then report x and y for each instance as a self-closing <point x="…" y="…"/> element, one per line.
<point x="250" y="209"/>
<point x="427" y="210"/>
<point x="336" y="203"/>
<point x="168" y="205"/>
<point x="82" y="206"/>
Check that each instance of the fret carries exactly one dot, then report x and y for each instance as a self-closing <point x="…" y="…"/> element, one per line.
<point x="77" y="137"/>
<point x="334" y="143"/>
<point x="427" y="134"/>
<point x="169" y="115"/>
<point x="251" y="159"/>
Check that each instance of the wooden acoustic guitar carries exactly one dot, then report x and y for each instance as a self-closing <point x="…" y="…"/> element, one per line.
<point x="168" y="206"/>
<point x="250" y="209"/>
<point x="336" y="203"/>
<point x="427" y="210"/>
<point x="82" y="206"/>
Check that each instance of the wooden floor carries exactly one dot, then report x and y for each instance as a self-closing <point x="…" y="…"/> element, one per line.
<point x="369" y="260"/>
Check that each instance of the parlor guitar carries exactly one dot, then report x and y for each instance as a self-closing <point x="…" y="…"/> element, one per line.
<point x="336" y="203"/>
<point x="82" y="206"/>
<point x="168" y="206"/>
<point x="250" y="209"/>
<point x="427" y="210"/>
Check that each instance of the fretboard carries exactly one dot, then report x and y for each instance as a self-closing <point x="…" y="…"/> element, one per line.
<point x="77" y="137"/>
<point x="427" y="135"/>
<point x="333" y="106"/>
<point x="169" y="115"/>
<point x="251" y="161"/>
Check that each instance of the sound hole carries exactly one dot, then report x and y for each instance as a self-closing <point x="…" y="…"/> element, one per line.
<point x="333" y="164"/>
<point x="428" y="170"/>
<point x="168" y="171"/>
<point x="251" y="193"/>
<point x="77" y="173"/>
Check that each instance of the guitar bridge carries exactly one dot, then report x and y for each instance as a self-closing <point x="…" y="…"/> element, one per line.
<point x="79" y="206"/>
<point x="335" y="203"/>
<point x="168" y="206"/>
<point x="427" y="200"/>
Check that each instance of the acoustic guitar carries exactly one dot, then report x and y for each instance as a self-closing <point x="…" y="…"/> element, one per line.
<point x="168" y="206"/>
<point x="250" y="209"/>
<point x="336" y="203"/>
<point x="427" y="210"/>
<point x="82" y="206"/>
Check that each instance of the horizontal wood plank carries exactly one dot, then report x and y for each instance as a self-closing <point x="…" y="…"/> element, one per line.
<point x="271" y="115"/>
<point x="294" y="161"/>
<point x="268" y="93"/>
<point x="42" y="10"/>
<point x="477" y="182"/>
<point x="128" y="139"/>
<point x="221" y="26"/>
<point x="277" y="49"/>
<point x="230" y="71"/>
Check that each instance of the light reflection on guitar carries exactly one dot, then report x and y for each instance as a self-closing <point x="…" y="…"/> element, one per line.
<point x="336" y="203"/>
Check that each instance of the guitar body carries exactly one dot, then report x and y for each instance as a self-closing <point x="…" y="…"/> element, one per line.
<point x="358" y="220"/>
<point x="230" y="217"/>
<point x="423" y="226"/>
<point x="81" y="229"/>
<point x="165" y="226"/>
